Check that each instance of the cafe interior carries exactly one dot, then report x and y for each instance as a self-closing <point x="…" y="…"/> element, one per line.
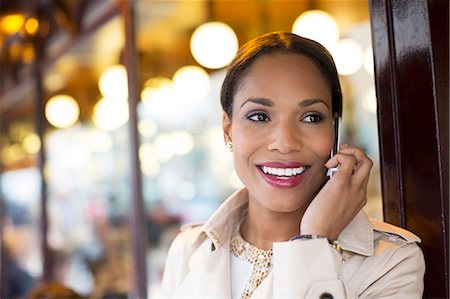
<point x="110" y="127"/>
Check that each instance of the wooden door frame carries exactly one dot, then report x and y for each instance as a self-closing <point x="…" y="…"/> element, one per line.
<point x="410" y="45"/>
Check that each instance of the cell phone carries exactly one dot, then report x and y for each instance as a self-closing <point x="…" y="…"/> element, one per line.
<point x="337" y="124"/>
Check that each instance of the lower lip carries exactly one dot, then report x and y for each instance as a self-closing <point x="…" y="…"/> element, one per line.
<point x="285" y="182"/>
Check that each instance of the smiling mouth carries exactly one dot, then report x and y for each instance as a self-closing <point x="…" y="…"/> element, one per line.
<point x="284" y="177"/>
<point x="285" y="172"/>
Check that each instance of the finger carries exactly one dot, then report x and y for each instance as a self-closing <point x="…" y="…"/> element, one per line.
<point x="346" y="163"/>
<point x="362" y="160"/>
<point x="361" y="174"/>
<point x="353" y="150"/>
<point x="363" y="164"/>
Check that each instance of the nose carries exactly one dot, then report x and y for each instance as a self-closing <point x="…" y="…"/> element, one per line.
<point x="285" y="138"/>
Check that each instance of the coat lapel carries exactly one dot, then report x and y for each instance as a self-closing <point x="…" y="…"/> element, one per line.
<point x="265" y="289"/>
<point x="209" y="275"/>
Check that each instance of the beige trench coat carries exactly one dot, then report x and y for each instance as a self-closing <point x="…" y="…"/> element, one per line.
<point x="379" y="261"/>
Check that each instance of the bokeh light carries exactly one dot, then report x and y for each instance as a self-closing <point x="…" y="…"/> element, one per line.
<point x="214" y="44"/>
<point x="190" y="84"/>
<point x="31" y="143"/>
<point x="110" y="114"/>
<point x="113" y="82"/>
<point x="348" y="56"/>
<point x="317" y="25"/>
<point x="369" y="101"/>
<point x="11" y="24"/>
<point x="31" y="26"/>
<point x="62" y="111"/>
<point x="368" y="60"/>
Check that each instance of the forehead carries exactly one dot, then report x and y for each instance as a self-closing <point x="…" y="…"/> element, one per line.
<point x="281" y="73"/>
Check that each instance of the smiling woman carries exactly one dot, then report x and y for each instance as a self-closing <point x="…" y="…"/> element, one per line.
<point x="291" y="231"/>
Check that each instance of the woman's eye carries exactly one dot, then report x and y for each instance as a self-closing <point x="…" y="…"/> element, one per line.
<point x="259" y="116"/>
<point x="313" y="118"/>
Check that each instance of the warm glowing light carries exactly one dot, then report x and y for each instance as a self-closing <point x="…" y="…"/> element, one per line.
<point x="156" y="90"/>
<point x="151" y="169"/>
<point x="100" y="141"/>
<point x="158" y="97"/>
<point x="31" y="143"/>
<point x="147" y="127"/>
<point x="28" y="53"/>
<point x="54" y="81"/>
<point x="369" y="101"/>
<point x="214" y="44"/>
<point x="182" y="142"/>
<point x="348" y="56"/>
<point x="11" y="24"/>
<point x="31" y="26"/>
<point x="368" y="60"/>
<point x="62" y="111"/>
<point x="190" y="84"/>
<point x="163" y="147"/>
<point x="15" y="49"/>
<point x="113" y="82"/>
<point x="149" y="159"/>
<point x="13" y="153"/>
<point x="319" y="26"/>
<point x="175" y="143"/>
<point x="147" y="153"/>
<point x="110" y="114"/>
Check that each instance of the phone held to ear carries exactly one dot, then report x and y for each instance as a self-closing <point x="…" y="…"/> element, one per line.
<point x="337" y="125"/>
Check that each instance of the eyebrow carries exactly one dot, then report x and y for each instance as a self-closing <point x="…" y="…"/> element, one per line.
<point x="261" y="101"/>
<point x="269" y="103"/>
<point x="310" y="102"/>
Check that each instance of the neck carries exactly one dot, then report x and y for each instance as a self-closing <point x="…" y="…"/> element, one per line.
<point x="262" y="227"/>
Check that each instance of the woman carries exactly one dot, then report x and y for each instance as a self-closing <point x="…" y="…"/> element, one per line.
<point x="291" y="232"/>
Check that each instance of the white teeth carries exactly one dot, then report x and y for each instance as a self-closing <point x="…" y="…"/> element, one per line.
<point x="283" y="171"/>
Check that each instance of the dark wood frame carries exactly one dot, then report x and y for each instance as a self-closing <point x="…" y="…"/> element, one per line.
<point x="410" y="44"/>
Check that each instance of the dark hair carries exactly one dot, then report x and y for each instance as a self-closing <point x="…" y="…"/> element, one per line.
<point x="276" y="42"/>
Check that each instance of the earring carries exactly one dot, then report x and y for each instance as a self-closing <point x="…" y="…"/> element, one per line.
<point x="230" y="146"/>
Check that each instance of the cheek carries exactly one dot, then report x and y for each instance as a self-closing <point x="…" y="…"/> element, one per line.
<point x="243" y="139"/>
<point x="322" y="145"/>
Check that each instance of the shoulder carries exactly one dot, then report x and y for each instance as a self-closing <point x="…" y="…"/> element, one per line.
<point x="396" y="246"/>
<point x="183" y="247"/>
<point x="394" y="233"/>
<point x="395" y="265"/>
<point x="189" y="235"/>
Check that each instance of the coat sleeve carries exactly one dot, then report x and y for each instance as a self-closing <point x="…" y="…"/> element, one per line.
<point x="313" y="269"/>
<point x="401" y="276"/>
<point x="297" y="273"/>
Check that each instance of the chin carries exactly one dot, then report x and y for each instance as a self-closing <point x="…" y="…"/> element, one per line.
<point x="283" y="201"/>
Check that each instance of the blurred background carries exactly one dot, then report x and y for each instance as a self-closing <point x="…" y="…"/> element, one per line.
<point x="66" y="160"/>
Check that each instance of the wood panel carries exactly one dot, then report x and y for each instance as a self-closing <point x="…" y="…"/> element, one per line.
<point x="410" y="41"/>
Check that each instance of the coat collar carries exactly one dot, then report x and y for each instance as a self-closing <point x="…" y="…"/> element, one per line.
<point x="357" y="237"/>
<point x="221" y="224"/>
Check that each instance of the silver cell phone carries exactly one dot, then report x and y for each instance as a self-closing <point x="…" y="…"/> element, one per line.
<point x="337" y="140"/>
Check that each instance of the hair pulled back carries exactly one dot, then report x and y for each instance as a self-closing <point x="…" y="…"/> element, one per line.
<point x="280" y="42"/>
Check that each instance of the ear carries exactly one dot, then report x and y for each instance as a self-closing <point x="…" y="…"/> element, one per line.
<point x="226" y="126"/>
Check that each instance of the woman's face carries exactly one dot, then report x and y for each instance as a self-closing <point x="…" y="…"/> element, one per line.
<point x="282" y="131"/>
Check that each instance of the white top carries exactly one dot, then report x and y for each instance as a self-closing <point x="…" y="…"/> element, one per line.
<point x="240" y="273"/>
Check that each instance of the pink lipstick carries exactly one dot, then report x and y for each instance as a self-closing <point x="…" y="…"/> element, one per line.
<point x="284" y="175"/>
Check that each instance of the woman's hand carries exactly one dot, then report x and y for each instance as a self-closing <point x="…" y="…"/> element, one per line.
<point x="342" y="197"/>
